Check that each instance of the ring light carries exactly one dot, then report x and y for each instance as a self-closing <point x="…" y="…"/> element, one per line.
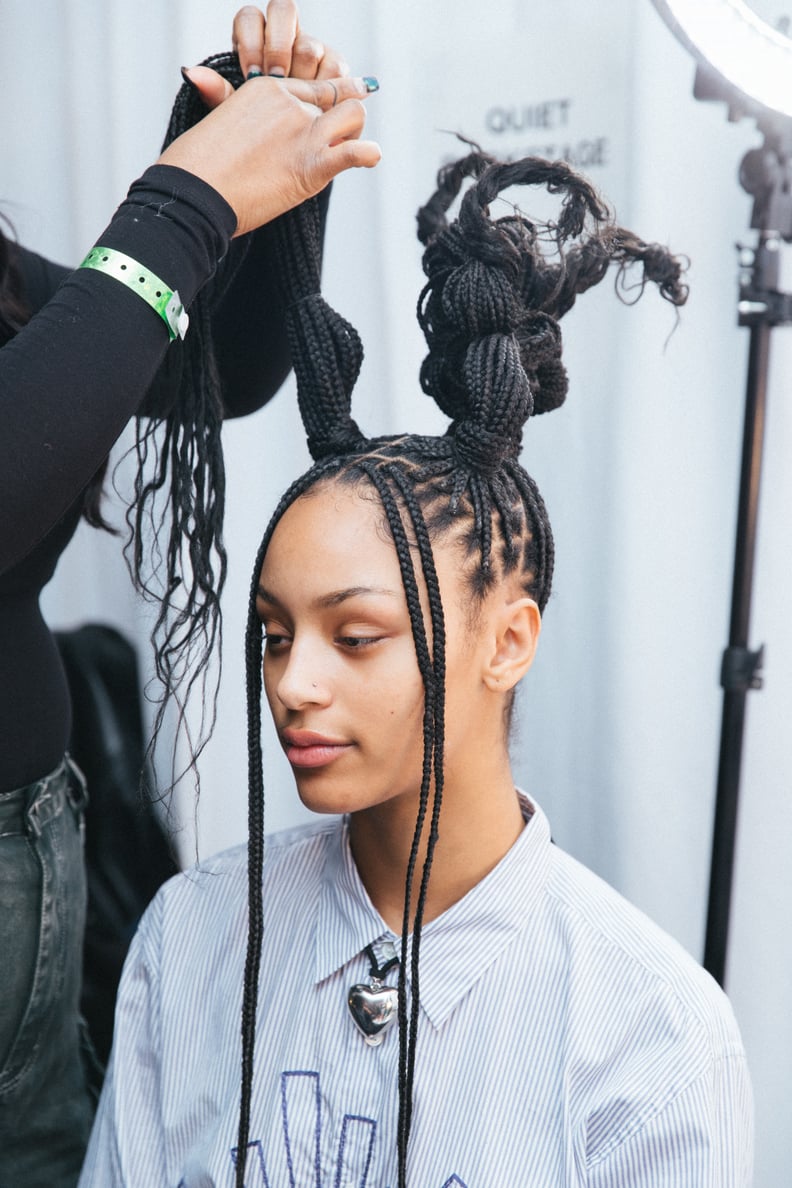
<point x="743" y="49"/>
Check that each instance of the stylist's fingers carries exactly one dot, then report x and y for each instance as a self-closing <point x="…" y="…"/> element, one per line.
<point x="247" y="39"/>
<point x="280" y="33"/>
<point x="278" y="46"/>
<point x="311" y="58"/>
<point x="337" y="146"/>
<point x="343" y="125"/>
<point x="346" y="154"/>
<point x="327" y="93"/>
<point x="332" y="65"/>
<point x="210" y="85"/>
<point x="265" y="149"/>
<point x="323" y="93"/>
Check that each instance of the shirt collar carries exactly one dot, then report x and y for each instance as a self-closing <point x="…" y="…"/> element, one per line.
<point x="460" y="945"/>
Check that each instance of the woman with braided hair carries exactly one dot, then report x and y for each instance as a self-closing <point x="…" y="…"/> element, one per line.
<point x="434" y="994"/>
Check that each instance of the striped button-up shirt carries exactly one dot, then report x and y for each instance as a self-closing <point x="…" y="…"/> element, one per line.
<point x="564" y="1040"/>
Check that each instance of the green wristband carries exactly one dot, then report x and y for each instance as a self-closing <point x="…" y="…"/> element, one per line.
<point x="164" y="301"/>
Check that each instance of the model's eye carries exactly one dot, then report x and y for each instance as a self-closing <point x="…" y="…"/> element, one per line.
<point x="357" y="643"/>
<point x="273" y="642"/>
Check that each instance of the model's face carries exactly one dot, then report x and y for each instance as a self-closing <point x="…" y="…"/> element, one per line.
<point x="340" y="669"/>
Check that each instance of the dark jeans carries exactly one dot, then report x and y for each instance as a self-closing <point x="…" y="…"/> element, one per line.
<point x="46" y="1105"/>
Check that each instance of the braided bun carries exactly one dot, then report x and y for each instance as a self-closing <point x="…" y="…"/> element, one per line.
<point x="493" y="298"/>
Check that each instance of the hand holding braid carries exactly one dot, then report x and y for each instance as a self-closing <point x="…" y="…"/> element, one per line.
<point x="271" y="143"/>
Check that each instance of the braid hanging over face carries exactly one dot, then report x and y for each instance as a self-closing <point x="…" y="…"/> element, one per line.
<point x="489" y="310"/>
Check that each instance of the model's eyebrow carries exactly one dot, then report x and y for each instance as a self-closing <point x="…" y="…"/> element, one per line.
<point x="336" y="597"/>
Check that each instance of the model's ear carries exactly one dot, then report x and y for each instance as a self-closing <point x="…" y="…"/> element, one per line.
<point x="517" y="626"/>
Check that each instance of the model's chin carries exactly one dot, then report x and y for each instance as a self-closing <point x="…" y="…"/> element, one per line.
<point x="322" y="792"/>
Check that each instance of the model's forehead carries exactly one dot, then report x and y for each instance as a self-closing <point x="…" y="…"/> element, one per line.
<point x="332" y="527"/>
<point x="333" y="504"/>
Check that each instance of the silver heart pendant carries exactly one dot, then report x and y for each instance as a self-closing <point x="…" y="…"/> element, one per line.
<point x="374" y="1009"/>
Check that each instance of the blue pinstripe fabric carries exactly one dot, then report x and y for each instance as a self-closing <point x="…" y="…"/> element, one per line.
<point x="564" y="1040"/>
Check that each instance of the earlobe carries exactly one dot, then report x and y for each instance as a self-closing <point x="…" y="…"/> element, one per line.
<point x="517" y="634"/>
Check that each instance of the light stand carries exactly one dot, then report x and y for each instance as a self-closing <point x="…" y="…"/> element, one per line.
<point x="766" y="174"/>
<point x="746" y="63"/>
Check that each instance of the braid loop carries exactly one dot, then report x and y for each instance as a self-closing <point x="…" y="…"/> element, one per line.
<point x="326" y="350"/>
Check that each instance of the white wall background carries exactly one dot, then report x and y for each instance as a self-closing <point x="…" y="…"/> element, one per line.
<point x="619" y="721"/>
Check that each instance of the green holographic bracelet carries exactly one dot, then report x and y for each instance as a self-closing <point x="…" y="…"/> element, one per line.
<point x="164" y="301"/>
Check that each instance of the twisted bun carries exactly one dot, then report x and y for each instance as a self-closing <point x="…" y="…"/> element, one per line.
<point x="494" y="296"/>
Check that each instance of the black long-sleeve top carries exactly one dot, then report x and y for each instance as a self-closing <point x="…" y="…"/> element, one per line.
<point x="93" y="356"/>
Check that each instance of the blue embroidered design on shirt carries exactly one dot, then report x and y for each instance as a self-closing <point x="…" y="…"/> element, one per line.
<point x="301" y="1109"/>
<point x="301" y="1106"/>
<point x="355" y="1132"/>
<point x="254" y="1146"/>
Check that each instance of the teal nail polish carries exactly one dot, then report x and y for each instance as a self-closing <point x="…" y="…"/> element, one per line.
<point x="371" y="84"/>
<point x="254" y="72"/>
<point x="276" y="74"/>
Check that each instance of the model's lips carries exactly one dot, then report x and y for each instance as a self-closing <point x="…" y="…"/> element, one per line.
<point x="305" y="748"/>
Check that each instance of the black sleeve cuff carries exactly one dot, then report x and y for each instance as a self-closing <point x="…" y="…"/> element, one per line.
<point x="174" y="224"/>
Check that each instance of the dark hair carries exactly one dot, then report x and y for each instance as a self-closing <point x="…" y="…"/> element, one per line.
<point x="175" y="550"/>
<point x="495" y="290"/>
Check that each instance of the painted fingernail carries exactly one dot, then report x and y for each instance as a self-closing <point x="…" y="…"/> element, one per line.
<point x="185" y="75"/>
<point x="371" y="84"/>
<point x="278" y="72"/>
<point x="255" y="72"/>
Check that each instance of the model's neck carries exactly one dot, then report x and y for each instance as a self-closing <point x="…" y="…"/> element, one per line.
<point x="479" y="823"/>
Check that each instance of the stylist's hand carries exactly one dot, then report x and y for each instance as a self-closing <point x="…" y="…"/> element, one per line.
<point x="274" y="143"/>
<point x="276" y="44"/>
<point x="273" y="45"/>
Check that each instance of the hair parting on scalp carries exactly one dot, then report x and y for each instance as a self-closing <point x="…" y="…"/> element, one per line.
<point x="495" y="291"/>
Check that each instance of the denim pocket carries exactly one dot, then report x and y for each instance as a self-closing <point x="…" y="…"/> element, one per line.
<point x="42" y="918"/>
